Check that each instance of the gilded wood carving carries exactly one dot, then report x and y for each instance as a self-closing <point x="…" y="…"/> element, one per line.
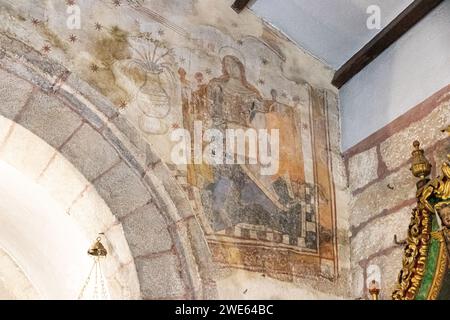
<point x="425" y="260"/>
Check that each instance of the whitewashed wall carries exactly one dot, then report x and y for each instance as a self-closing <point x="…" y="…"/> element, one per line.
<point x="410" y="71"/>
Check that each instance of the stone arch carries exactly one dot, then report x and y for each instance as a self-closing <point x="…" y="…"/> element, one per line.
<point x="50" y="215"/>
<point x="166" y="241"/>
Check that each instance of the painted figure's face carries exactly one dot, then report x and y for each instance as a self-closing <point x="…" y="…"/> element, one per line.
<point x="199" y="77"/>
<point x="182" y="73"/>
<point x="232" y="67"/>
<point x="444" y="213"/>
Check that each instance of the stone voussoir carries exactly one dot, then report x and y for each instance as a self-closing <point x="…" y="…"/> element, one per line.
<point x="80" y="87"/>
<point x="25" y="71"/>
<point x="122" y="190"/>
<point x="147" y="232"/>
<point x="160" y="277"/>
<point x="30" y="56"/>
<point x="130" y="131"/>
<point x="87" y="112"/>
<point x="15" y="92"/>
<point x="43" y="109"/>
<point x="89" y="152"/>
<point x="178" y="195"/>
<point x="188" y="258"/>
<point x="162" y="197"/>
<point x="135" y="158"/>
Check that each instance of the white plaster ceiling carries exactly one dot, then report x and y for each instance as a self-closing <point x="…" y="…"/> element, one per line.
<point x="331" y="30"/>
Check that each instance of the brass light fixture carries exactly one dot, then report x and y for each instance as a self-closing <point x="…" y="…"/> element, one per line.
<point x="374" y="291"/>
<point x="95" y="282"/>
<point x="98" y="249"/>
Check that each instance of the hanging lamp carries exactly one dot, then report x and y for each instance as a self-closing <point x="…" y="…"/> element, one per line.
<point x="94" y="287"/>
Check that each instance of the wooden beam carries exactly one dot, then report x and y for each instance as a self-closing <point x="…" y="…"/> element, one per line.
<point x="385" y="38"/>
<point x="239" y="5"/>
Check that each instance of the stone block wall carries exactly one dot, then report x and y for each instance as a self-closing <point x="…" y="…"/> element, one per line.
<point x="382" y="189"/>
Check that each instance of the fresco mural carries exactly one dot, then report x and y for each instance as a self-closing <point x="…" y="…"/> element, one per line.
<point x="168" y="64"/>
<point x="261" y="223"/>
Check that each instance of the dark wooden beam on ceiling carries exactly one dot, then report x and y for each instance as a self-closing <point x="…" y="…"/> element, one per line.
<point x="385" y="38"/>
<point x="239" y="5"/>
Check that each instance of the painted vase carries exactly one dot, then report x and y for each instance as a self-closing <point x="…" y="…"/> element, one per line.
<point x="154" y="102"/>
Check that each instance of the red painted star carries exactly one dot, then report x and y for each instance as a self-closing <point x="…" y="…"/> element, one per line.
<point x="70" y="2"/>
<point x="73" y="38"/>
<point x="123" y="104"/>
<point x="94" y="67"/>
<point x="46" y="48"/>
